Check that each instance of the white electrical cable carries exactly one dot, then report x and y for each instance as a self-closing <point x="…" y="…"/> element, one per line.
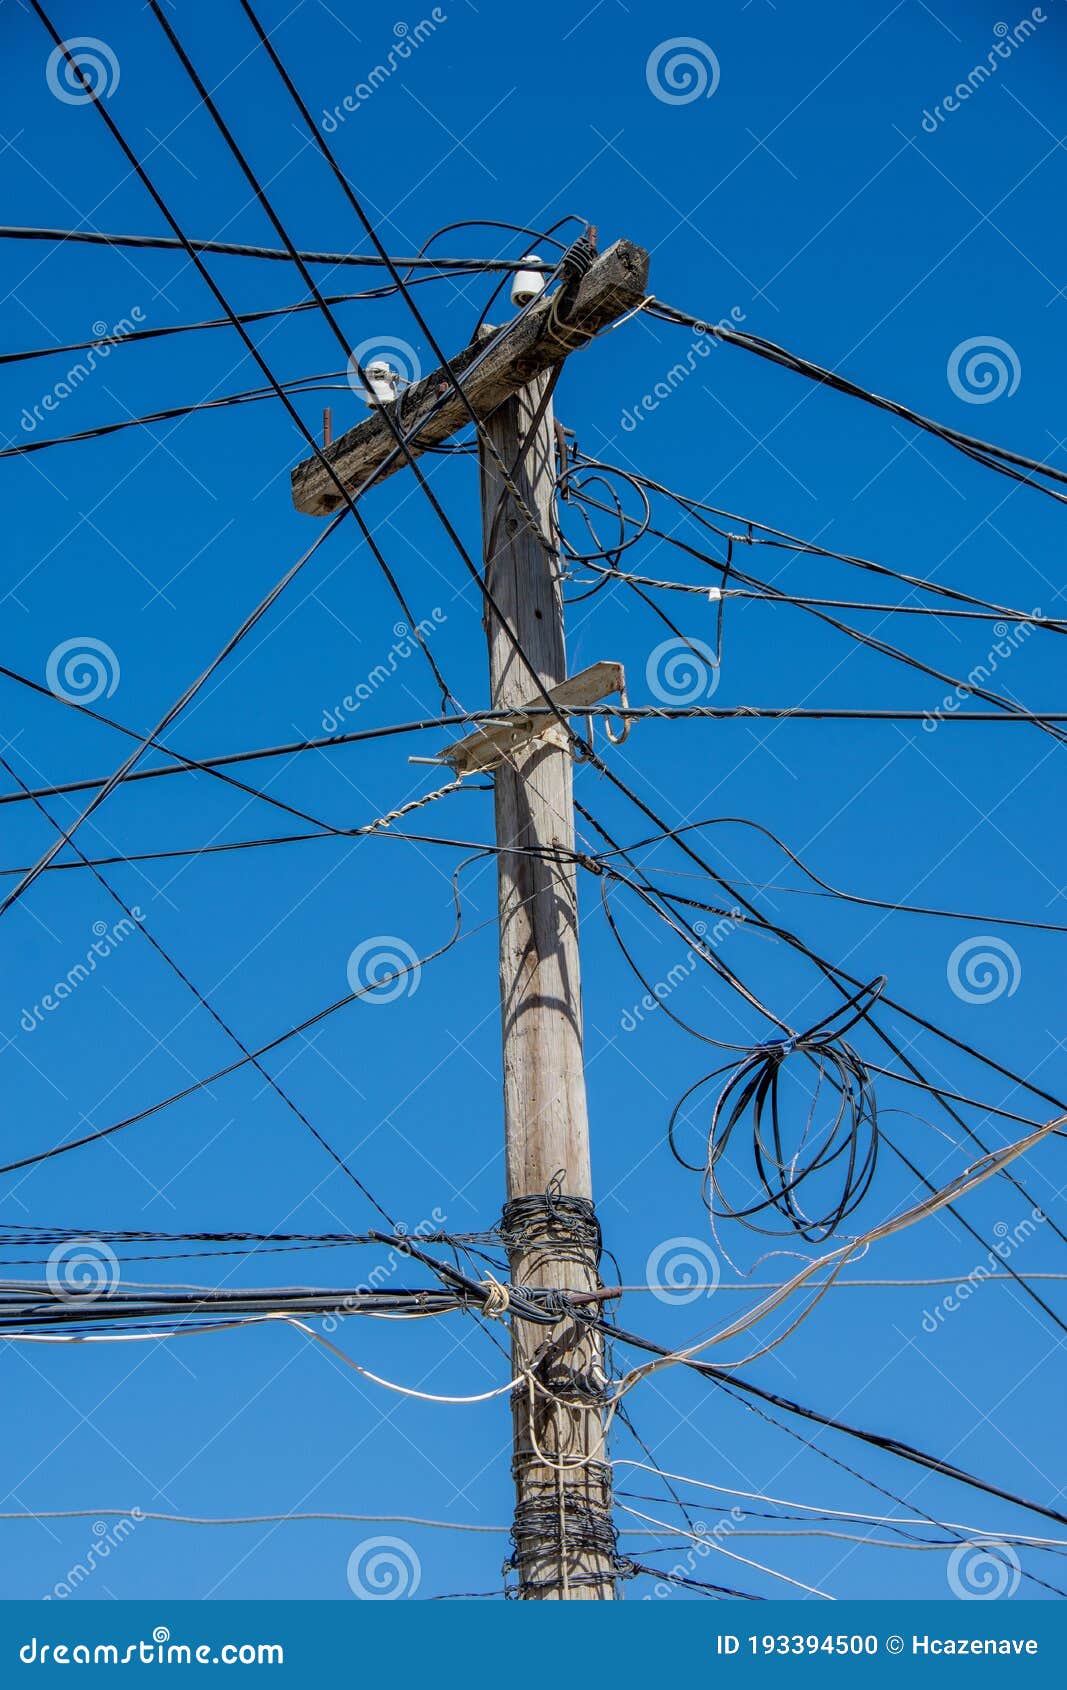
<point x="837" y="1260"/>
<point x="707" y="1543"/>
<point x="253" y="1320"/>
<point x="849" y="1514"/>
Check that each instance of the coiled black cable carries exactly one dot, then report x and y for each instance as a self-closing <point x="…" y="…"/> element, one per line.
<point x="752" y="1103"/>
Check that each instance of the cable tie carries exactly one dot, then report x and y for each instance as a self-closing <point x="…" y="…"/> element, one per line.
<point x="497" y="1298"/>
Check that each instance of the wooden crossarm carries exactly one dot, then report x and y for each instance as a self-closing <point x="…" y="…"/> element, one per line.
<point x="484" y="749"/>
<point x="614" y="284"/>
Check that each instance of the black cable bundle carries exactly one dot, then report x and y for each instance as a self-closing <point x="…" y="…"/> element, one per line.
<point x="751" y="1101"/>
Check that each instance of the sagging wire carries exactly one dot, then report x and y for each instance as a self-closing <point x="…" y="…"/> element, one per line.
<point x="993" y="457"/>
<point x="773" y="594"/>
<point x="755" y="533"/>
<point x="832" y="1262"/>
<point x="65" y="1147"/>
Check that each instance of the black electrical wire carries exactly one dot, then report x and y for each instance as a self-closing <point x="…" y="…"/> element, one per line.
<point x="1006" y="704"/>
<point x="205" y="1003"/>
<point x="992" y="457"/>
<point x="687" y="1582"/>
<point x="325" y="742"/>
<point x="836" y="977"/>
<point x="827" y="890"/>
<point x="751" y="1100"/>
<point x="304" y="1026"/>
<point x="875" y="1440"/>
<point x="715" y="962"/>
<point x="778" y="539"/>
<point x="264" y="605"/>
<point x="330" y="382"/>
<point x="133" y="336"/>
<point x="169" y="243"/>
<point x="762" y="1413"/>
<point x="179" y="761"/>
<point x="571" y="267"/>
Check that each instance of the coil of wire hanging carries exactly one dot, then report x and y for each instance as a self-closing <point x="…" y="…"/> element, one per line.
<point x="571" y="489"/>
<point x="835" y="1140"/>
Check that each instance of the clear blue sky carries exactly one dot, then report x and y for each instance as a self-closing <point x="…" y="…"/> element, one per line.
<point x="804" y="193"/>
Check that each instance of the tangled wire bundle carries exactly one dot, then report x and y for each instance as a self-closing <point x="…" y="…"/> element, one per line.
<point x="752" y="1102"/>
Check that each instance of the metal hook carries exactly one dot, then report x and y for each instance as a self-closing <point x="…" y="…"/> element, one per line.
<point x="625" y="723"/>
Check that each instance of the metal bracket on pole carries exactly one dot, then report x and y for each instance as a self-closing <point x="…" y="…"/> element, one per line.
<point x="488" y="746"/>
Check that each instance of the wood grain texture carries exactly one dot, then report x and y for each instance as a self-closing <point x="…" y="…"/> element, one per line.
<point x="546" y="1119"/>
<point x="615" y="283"/>
<point x="486" y="746"/>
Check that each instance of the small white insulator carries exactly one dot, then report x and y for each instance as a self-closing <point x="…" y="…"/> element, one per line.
<point x="714" y="594"/>
<point x="381" y="383"/>
<point x="528" y="284"/>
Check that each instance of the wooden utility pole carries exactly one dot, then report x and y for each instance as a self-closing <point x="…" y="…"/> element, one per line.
<point x="563" y="1533"/>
